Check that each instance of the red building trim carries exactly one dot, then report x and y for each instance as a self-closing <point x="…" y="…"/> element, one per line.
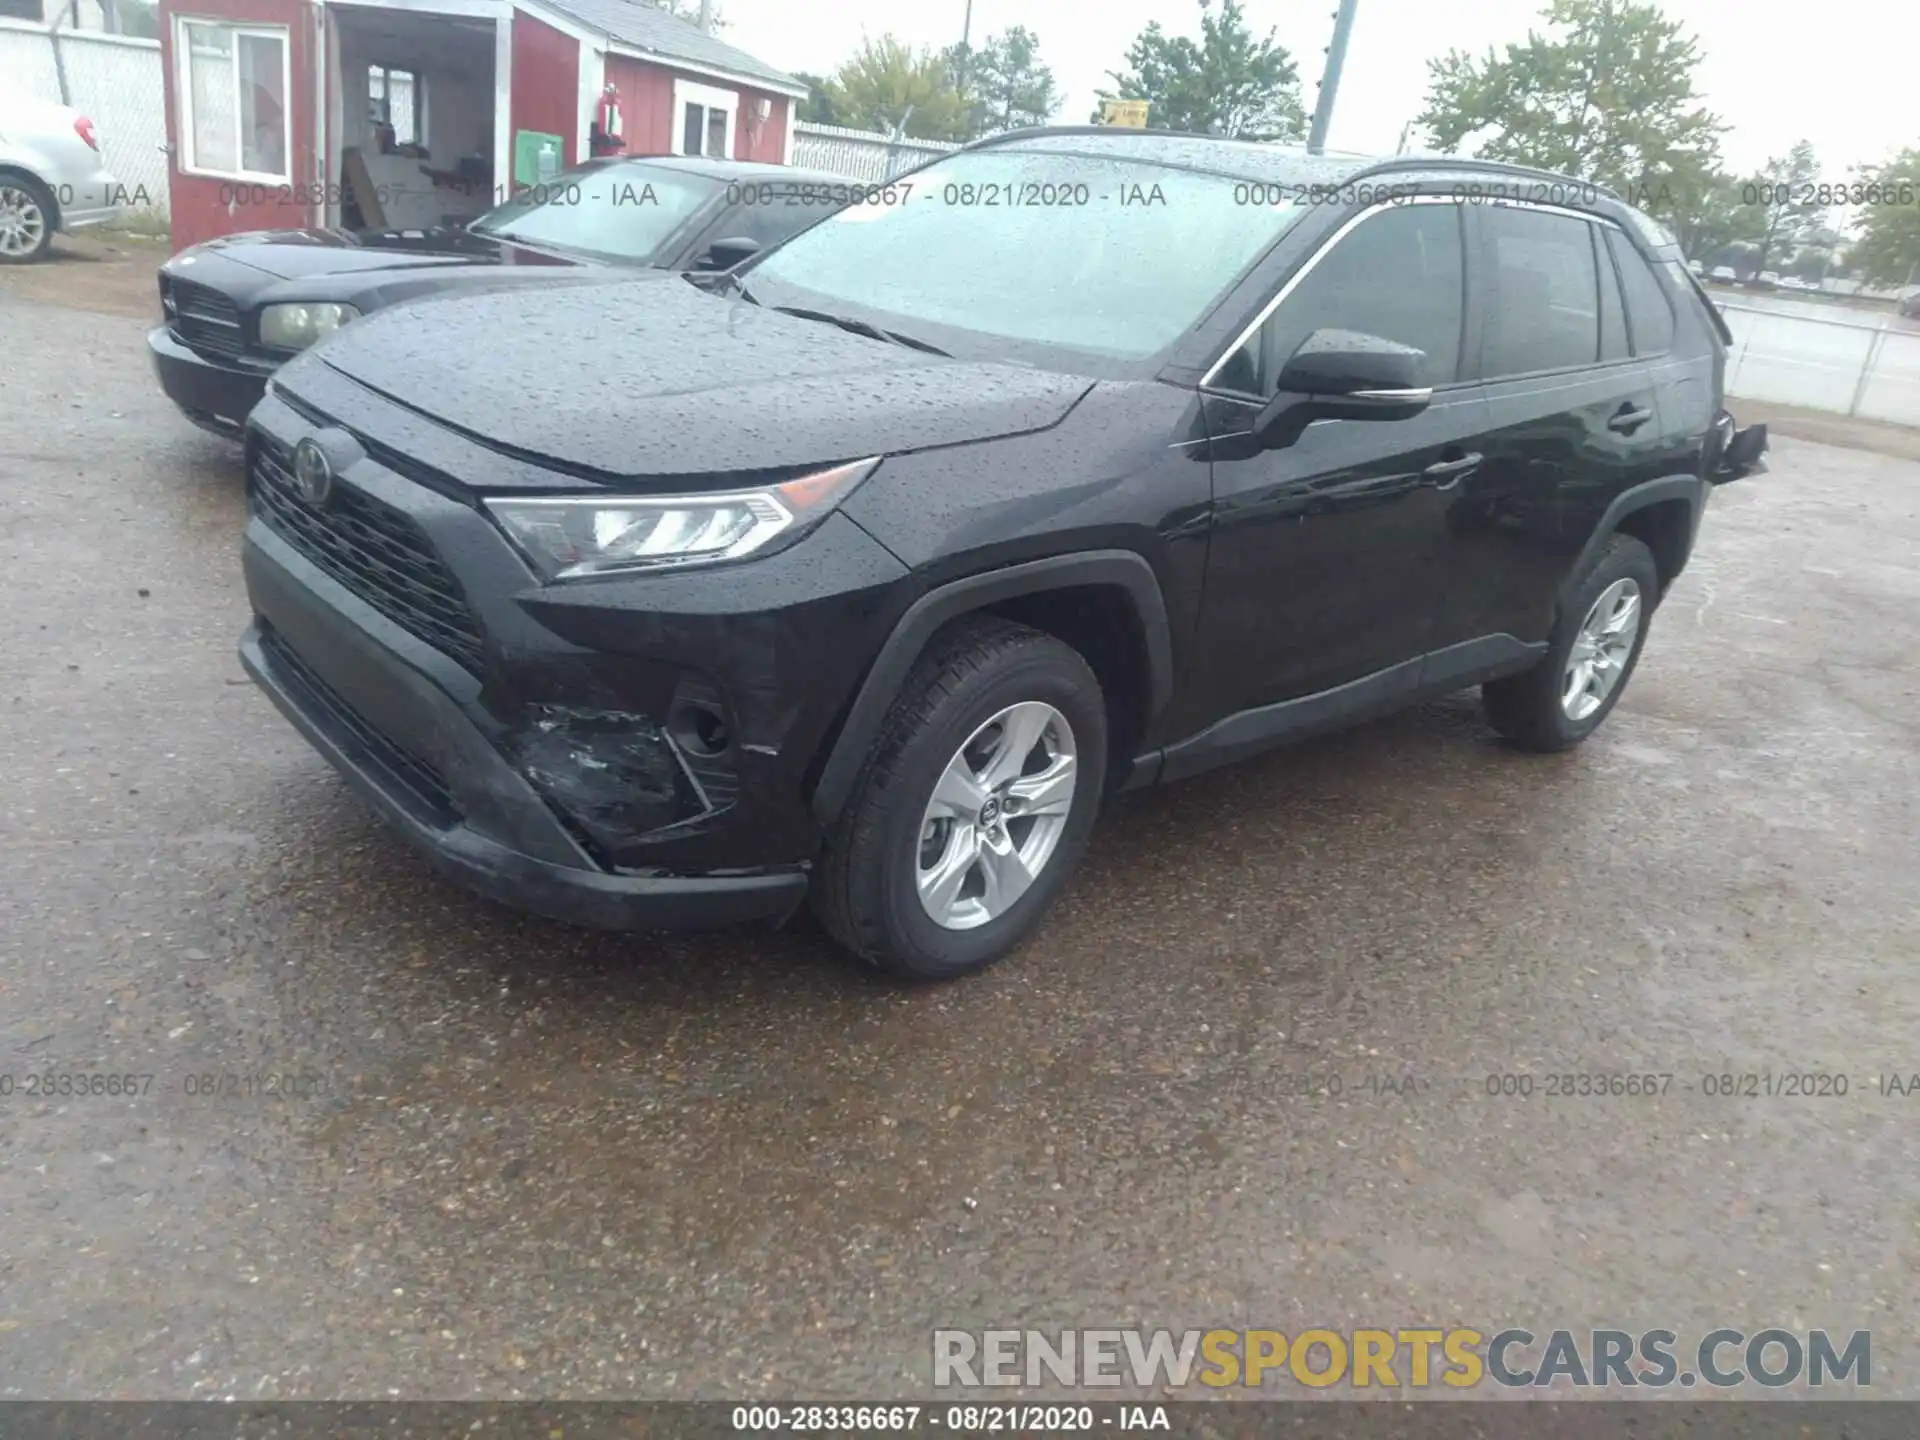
<point x="646" y="101"/>
<point x="546" y="84"/>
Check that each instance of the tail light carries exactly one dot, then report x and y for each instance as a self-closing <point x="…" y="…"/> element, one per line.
<point x="83" y="127"/>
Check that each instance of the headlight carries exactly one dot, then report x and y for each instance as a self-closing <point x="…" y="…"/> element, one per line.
<point x="295" y="327"/>
<point x="578" y="535"/>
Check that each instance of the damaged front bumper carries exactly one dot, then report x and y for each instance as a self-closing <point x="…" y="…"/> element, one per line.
<point x="1738" y="453"/>
<point x="529" y="860"/>
<point x="624" y="754"/>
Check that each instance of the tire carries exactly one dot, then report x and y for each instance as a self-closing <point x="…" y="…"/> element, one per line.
<point x="1540" y="709"/>
<point x="26" y="219"/>
<point x="976" y="680"/>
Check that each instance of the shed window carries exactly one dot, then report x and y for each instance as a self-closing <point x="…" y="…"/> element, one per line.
<point x="396" y="98"/>
<point x="233" y="91"/>
<point x="705" y="120"/>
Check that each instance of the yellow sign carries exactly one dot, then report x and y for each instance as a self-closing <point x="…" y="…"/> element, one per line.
<point x="1130" y="113"/>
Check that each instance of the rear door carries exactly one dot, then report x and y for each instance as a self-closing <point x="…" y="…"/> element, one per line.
<point x="1679" y="358"/>
<point x="242" y="144"/>
<point x="1573" y="418"/>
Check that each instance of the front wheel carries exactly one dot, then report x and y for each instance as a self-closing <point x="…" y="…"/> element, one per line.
<point x="1590" y="655"/>
<point x="974" y="808"/>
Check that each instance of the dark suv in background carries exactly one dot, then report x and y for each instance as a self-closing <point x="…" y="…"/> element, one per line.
<point x="233" y="310"/>
<point x="1075" y="461"/>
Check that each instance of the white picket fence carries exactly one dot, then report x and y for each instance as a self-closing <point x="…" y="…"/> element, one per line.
<point x="863" y="154"/>
<point x="115" y="79"/>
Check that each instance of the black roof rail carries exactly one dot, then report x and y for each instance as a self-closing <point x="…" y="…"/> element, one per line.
<point x="1491" y="167"/>
<point x="1377" y="164"/>
<point x="1043" y="131"/>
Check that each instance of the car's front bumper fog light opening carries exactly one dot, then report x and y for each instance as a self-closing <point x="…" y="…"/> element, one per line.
<point x="613" y="774"/>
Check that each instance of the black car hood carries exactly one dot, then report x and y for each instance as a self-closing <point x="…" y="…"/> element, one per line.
<point x="656" y="377"/>
<point x="301" y="254"/>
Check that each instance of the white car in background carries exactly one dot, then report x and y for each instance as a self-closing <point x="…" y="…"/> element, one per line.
<point x="51" y="176"/>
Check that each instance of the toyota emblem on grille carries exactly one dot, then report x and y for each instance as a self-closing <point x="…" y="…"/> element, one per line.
<point x="312" y="472"/>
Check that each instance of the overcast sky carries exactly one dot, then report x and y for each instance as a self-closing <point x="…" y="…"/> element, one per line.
<point x="1842" y="74"/>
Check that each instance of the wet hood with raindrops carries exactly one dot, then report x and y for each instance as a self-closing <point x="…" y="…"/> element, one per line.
<point x="653" y="376"/>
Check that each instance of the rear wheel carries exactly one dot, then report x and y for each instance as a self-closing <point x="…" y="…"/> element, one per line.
<point x="1590" y="655"/>
<point x="26" y="220"/>
<point x="974" y="807"/>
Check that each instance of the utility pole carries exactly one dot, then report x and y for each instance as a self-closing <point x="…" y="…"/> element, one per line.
<point x="1330" y="76"/>
<point x="705" y="22"/>
<point x="966" y="34"/>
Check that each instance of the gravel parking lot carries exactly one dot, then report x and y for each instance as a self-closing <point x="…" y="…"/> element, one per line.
<point x="526" y="1160"/>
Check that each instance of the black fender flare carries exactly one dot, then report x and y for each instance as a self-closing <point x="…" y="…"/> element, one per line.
<point x="1123" y="569"/>
<point x="1691" y="488"/>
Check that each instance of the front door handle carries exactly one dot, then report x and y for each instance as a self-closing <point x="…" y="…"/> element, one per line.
<point x="1627" y="419"/>
<point x="1445" y="474"/>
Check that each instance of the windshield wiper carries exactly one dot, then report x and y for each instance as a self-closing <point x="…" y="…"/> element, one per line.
<point x="861" y="327"/>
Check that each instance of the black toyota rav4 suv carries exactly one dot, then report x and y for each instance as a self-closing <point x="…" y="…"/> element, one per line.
<point x="1073" y="462"/>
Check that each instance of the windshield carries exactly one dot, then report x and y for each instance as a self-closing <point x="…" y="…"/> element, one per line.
<point x="1113" y="257"/>
<point x="608" y="212"/>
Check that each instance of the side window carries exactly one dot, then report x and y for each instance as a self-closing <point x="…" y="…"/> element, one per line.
<point x="394" y="100"/>
<point x="1613" y="319"/>
<point x="1399" y="274"/>
<point x="1649" y="312"/>
<point x="1543" y="310"/>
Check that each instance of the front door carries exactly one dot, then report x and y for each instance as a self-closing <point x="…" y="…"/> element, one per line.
<point x="1323" y="567"/>
<point x="243" y="153"/>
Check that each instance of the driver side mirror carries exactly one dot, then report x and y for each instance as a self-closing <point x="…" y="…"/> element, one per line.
<point x="725" y="254"/>
<point x="1344" y="375"/>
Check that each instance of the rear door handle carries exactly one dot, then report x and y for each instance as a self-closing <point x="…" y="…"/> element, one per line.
<point x="1628" y="420"/>
<point x="1445" y="474"/>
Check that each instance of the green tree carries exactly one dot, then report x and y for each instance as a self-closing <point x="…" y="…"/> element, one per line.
<point x="1228" y="84"/>
<point x="1887" y="251"/>
<point x="888" y="82"/>
<point x="1005" y="84"/>
<point x="1708" y="216"/>
<point x="1606" y="93"/>
<point x="817" y="108"/>
<point x="1781" y="195"/>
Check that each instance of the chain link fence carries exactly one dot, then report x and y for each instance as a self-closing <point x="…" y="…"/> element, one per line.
<point x="862" y="154"/>
<point x="1864" y="367"/>
<point x="115" y="79"/>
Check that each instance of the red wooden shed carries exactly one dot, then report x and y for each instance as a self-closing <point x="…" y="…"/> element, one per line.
<point x="406" y="113"/>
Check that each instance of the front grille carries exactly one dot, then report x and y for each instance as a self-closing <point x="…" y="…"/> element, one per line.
<point x="416" y="774"/>
<point x="203" y="318"/>
<point x="374" y="550"/>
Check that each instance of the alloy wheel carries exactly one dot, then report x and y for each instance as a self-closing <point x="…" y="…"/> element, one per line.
<point x="1601" y="650"/>
<point x="23" y="224"/>
<point x="996" y="817"/>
